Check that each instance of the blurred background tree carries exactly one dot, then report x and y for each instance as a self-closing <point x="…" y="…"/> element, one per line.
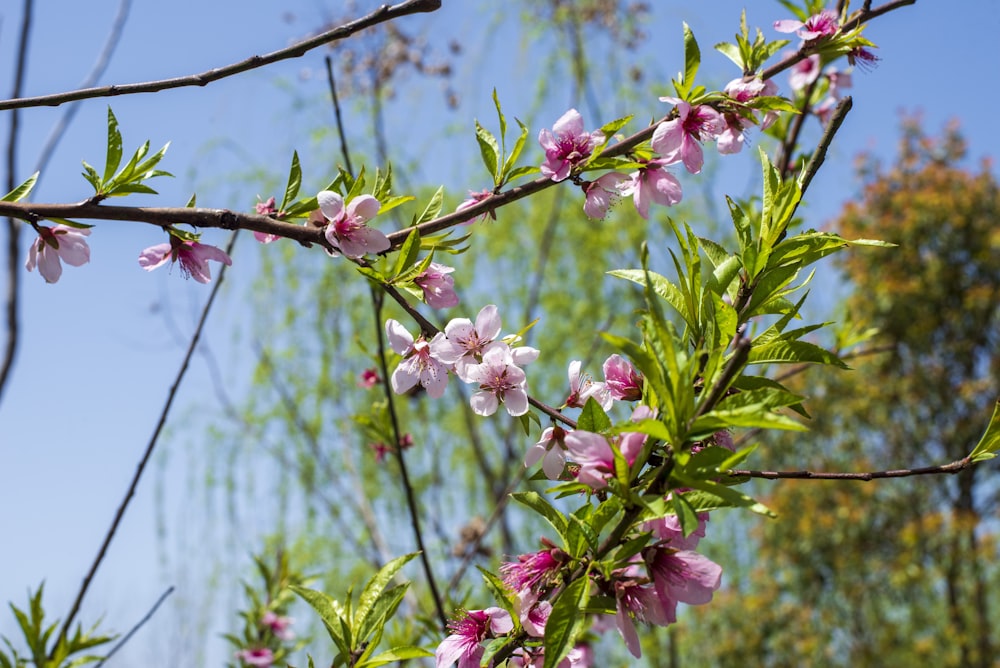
<point x="897" y="572"/>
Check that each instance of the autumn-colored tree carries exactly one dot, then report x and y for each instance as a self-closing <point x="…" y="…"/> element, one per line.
<point x="895" y="572"/>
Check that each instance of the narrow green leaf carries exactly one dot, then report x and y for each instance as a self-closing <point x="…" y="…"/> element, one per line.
<point x="801" y="352"/>
<point x="685" y="514"/>
<point x="329" y="612"/>
<point x="396" y="654"/>
<point x="565" y="621"/>
<point x="515" y="152"/>
<point x="93" y="178"/>
<point x="727" y="494"/>
<point x="661" y="285"/>
<point x="489" y="149"/>
<point x="294" y="182"/>
<point x="503" y="121"/>
<point x="407" y="253"/>
<point x="989" y="444"/>
<point x="22" y="190"/>
<point x="114" y="155"/>
<point x="692" y="57"/>
<point x="432" y="209"/>
<point x="540" y="505"/>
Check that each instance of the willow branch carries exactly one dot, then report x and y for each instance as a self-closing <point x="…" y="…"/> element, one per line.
<point x="380" y="15"/>
<point x="865" y="476"/>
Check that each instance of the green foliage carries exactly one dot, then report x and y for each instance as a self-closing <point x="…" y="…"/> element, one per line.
<point x="45" y="647"/>
<point x="130" y="178"/>
<point x="357" y="632"/>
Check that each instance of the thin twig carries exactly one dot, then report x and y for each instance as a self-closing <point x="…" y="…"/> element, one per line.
<point x="337" y="115"/>
<point x="14" y="226"/>
<point x="120" y="513"/>
<point x="411" y="500"/>
<point x="139" y="625"/>
<point x="953" y="467"/>
<point x="95" y="74"/>
<point x="380" y="15"/>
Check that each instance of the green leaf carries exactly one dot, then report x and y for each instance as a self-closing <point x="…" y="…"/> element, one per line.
<point x="661" y="285"/>
<point x="692" y="58"/>
<point x="114" y="155"/>
<point x="732" y="52"/>
<point x="396" y="654"/>
<point x="489" y="149"/>
<point x="593" y="418"/>
<point x="22" y="190"/>
<point x="515" y="152"/>
<point x="686" y="514"/>
<point x="787" y="352"/>
<point x="989" y="444"/>
<point x="540" y="505"/>
<point x="407" y="253"/>
<point x="727" y="494"/>
<point x="330" y="612"/>
<point x="93" y="178"/>
<point x="432" y="209"/>
<point x="521" y="171"/>
<point x="373" y="591"/>
<point x="565" y="621"/>
<point x="294" y="182"/>
<point x="580" y="537"/>
<point x="500" y="116"/>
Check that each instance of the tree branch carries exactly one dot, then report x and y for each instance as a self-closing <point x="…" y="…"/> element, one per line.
<point x="380" y="15"/>
<point x="952" y="468"/>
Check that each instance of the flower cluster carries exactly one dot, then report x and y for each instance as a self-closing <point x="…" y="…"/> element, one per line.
<point x="676" y="140"/>
<point x="472" y="352"/>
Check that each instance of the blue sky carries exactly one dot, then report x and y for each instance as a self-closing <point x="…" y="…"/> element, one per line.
<point x="99" y="349"/>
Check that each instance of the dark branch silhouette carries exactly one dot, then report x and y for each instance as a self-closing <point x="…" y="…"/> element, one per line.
<point x="380" y="15"/>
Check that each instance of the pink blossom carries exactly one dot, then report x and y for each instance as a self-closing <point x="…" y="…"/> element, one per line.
<point x="804" y="72"/>
<point x="530" y="571"/>
<point x="500" y="381"/>
<point x="531" y="613"/>
<point x="53" y="244"/>
<point x="421" y="362"/>
<point x="743" y="91"/>
<point x="267" y="208"/>
<point x="347" y="229"/>
<point x="596" y="459"/>
<point x="824" y="24"/>
<point x="260" y="657"/>
<point x="652" y="183"/>
<point x="862" y="58"/>
<point x="551" y="446"/>
<point x="567" y="145"/>
<point x="678" y="140"/>
<point x="192" y="256"/>
<point x="474" y="199"/>
<point x="465" y="343"/>
<point x="368" y="379"/>
<point x="682" y="576"/>
<point x="582" y="387"/>
<point x="602" y="194"/>
<point x="280" y="626"/>
<point x="622" y="380"/>
<point x="636" y="599"/>
<point x="580" y="656"/>
<point x="438" y="286"/>
<point x="668" y="529"/>
<point x="464" y="645"/>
